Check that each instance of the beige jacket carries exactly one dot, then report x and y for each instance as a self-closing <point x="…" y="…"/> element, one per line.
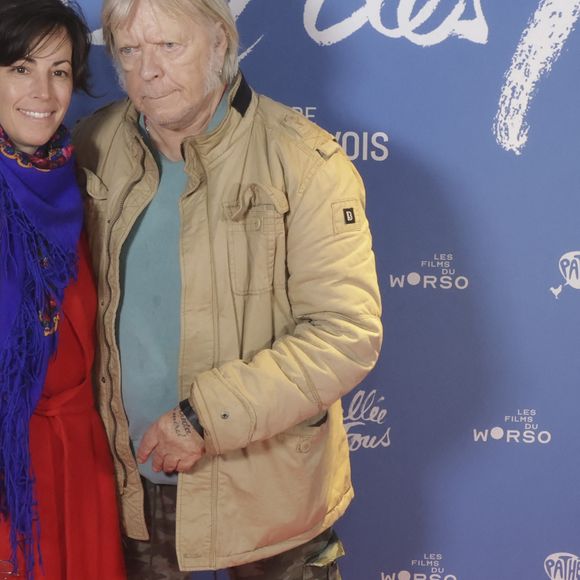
<point x="280" y="317"/>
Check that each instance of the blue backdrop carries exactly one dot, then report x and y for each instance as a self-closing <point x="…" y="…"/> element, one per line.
<point x="463" y="118"/>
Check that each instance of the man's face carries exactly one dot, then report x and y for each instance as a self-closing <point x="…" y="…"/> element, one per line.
<point x="170" y="67"/>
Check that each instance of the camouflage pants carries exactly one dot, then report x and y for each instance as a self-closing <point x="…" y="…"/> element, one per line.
<point x="156" y="560"/>
<point x="315" y="560"/>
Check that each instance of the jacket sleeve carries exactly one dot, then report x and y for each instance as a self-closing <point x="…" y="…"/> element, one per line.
<point x="334" y="296"/>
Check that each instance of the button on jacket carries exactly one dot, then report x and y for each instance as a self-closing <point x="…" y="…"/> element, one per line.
<point x="280" y="317"/>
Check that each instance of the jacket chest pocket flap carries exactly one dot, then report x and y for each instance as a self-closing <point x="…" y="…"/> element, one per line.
<point x="255" y="224"/>
<point x="96" y="198"/>
<point x="96" y="212"/>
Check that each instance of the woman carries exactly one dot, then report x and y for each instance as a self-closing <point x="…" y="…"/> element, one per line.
<point x="58" y="514"/>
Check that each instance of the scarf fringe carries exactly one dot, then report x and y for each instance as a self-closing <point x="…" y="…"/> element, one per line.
<point x="23" y="363"/>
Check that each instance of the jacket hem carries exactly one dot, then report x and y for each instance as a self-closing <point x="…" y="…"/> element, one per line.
<point x="222" y="562"/>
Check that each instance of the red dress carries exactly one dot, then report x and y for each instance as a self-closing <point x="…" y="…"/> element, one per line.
<point x="73" y="470"/>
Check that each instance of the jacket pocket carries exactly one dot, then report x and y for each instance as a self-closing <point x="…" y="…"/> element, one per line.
<point x="96" y="198"/>
<point x="307" y="433"/>
<point x="96" y="213"/>
<point x="255" y="225"/>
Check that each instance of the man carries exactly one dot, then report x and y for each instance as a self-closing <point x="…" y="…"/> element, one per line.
<point x="238" y="300"/>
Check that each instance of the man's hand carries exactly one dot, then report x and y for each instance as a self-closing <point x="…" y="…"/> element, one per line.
<point x="173" y="442"/>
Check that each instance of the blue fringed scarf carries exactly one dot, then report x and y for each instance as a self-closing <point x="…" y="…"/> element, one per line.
<point x="40" y="223"/>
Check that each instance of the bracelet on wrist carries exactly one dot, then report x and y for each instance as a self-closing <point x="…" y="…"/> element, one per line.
<point x="191" y="416"/>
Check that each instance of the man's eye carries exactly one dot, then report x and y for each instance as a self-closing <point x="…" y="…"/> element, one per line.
<point x="170" y="45"/>
<point x="127" y="50"/>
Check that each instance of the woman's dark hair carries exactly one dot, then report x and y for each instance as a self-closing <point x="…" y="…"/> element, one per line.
<point x="25" y="26"/>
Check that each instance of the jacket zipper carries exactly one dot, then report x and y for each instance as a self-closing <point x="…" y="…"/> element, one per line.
<point x="216" y="351"/>
<point x="113" y="222"/>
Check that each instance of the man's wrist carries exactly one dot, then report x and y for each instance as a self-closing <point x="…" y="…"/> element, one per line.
<point x="191" y="416"/>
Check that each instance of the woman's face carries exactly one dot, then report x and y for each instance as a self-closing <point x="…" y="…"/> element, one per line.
<point x="35" y="93"/>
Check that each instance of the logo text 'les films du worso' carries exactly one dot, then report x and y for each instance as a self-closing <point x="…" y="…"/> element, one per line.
<point x="436" y="273"/>
<point x="522" y="426"/>
<point x="430" y="566"/>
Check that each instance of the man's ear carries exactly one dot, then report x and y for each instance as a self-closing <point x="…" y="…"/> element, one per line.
<point x="221" y="40"/>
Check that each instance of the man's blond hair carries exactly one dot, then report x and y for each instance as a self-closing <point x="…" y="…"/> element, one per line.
<point x="117" y="13"/>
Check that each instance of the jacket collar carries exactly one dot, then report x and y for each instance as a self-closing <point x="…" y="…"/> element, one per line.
<point x="242" y="103"/>
<point x="242" y="97"/>
<point x="209" y="146"/>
